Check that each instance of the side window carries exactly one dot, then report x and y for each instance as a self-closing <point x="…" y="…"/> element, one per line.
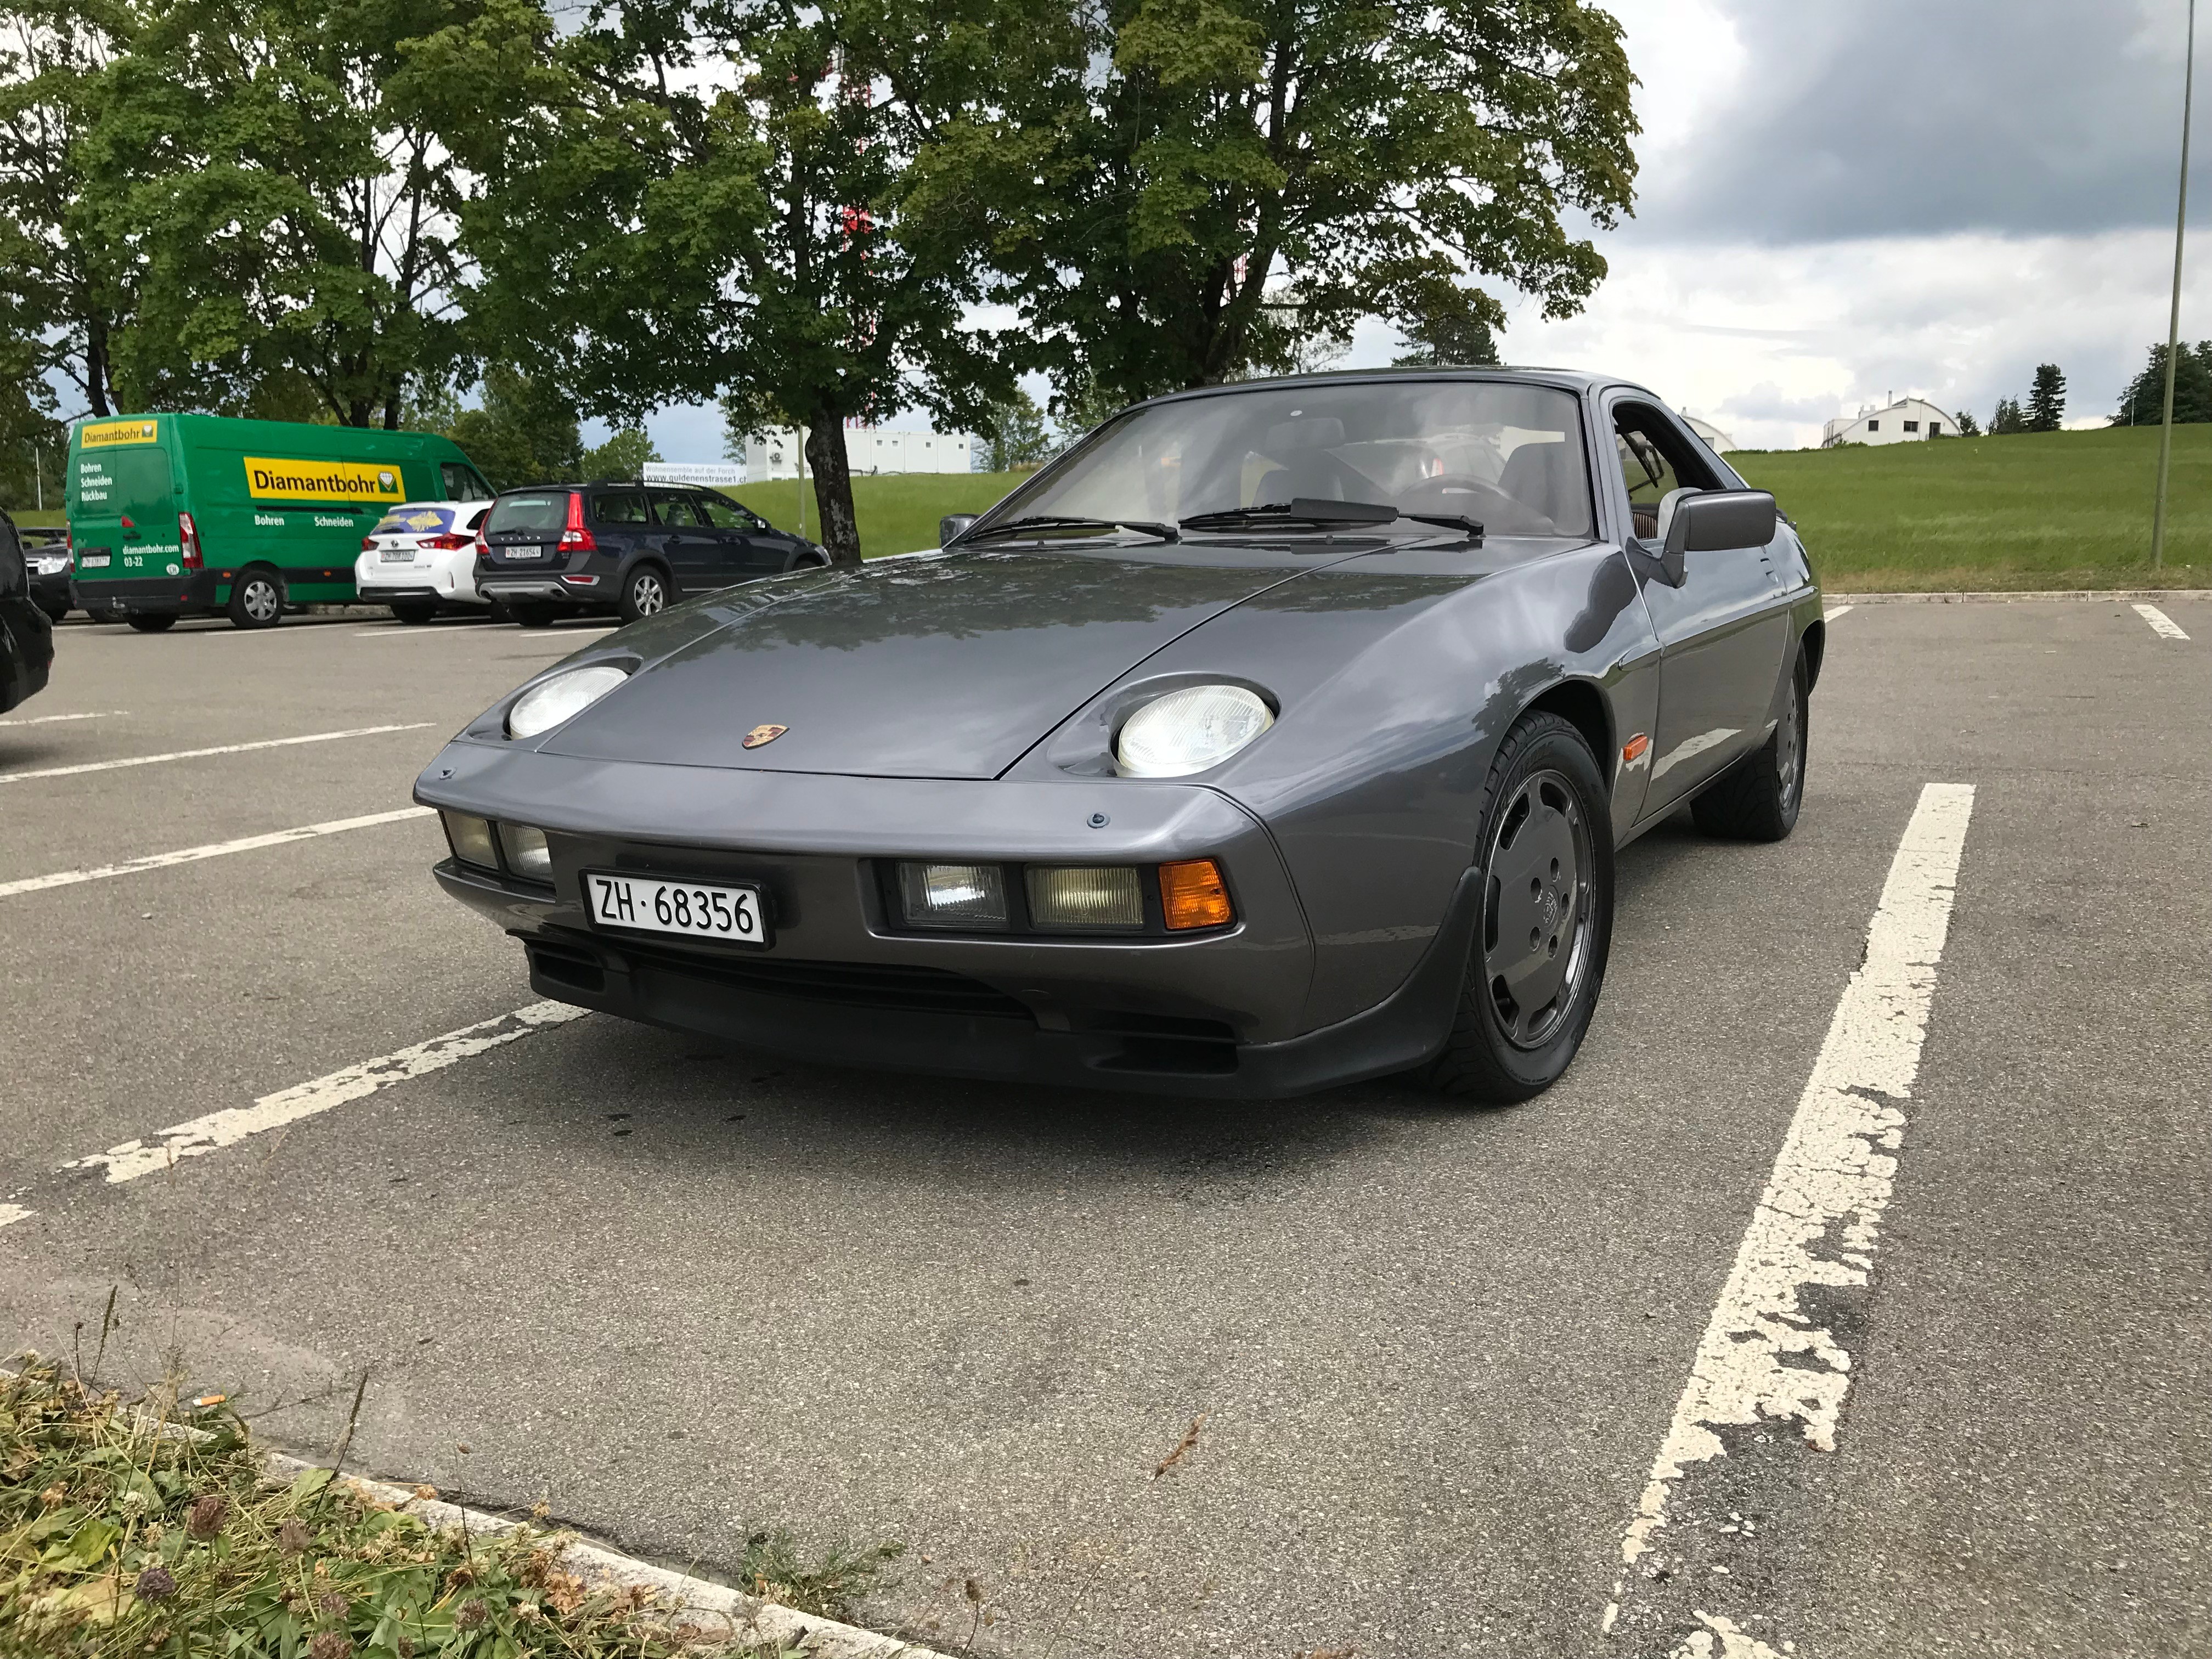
<point x="462" y="484"/>
<point x="621" y="507"/>
<point x="1654" y="462"/>
<point x="726" y="514"/>
<point x="677" y="511"/>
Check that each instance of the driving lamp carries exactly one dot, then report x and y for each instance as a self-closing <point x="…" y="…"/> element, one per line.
<point x="1194" y="894"/>
<point x="527" y="853"/>
<point x="1086" y="900"/>
<point x="470" y="839"/>
<point x="562" y="697"/>
<point x="1188" y="730"/>
<point x="971" y="895"/>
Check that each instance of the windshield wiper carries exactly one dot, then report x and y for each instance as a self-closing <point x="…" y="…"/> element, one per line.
<point x="1166" y="532"/>
<point x="1315" y="510"/>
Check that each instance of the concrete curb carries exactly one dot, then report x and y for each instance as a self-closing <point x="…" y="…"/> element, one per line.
<point x="727" y="1617"/>
<point x="1999" y="598"/>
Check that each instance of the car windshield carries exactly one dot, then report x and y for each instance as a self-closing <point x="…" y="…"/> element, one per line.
<point x="540" y="510"/>
<point x="413" y="521"/>
<point x="1507" y="454"/>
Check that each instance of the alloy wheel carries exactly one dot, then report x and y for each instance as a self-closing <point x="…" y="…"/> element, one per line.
<point x="646" y="596"/>
<point x="1537" y="921"/>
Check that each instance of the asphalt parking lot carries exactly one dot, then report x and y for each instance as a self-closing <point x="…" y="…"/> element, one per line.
<point x="676" y="1290"/>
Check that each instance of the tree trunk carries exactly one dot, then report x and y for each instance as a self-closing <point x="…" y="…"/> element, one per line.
<point x="833" y="488"/>
<point x="96" y="366"/>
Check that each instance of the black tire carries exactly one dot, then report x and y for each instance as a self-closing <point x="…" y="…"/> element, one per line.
<point x="415" y="613"/>
<point x="645" y="591"/>
<point x="528" y="614"/>
<point x="257" y="597"/>
<point x="1758" y="798"/>
<point x="1546" y="802"/>
<point x="157" y="622"/>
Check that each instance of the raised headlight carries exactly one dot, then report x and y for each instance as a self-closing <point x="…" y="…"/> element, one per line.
<point x="1190" y="730"/>
<point x="564" y="697"/>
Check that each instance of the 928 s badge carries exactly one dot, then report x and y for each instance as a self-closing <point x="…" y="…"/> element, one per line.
<point x="761" y="734"/>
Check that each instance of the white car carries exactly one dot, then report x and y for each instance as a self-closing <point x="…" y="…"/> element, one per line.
<point x="421" y="558"/>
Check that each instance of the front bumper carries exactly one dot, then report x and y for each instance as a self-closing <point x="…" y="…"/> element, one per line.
<point x="844" y="982"/>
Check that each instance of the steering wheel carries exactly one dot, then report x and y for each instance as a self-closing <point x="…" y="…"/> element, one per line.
<point x="1458" y="482"/>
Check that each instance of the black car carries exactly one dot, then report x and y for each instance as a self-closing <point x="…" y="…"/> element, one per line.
<point x="27" y="636"/>
<point x="623" y="548"/>
<point x="47" y="554"/>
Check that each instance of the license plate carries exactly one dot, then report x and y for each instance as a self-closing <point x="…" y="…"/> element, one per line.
<point x="398" y="556"/>
<point x="93" y="562"/>
<point x="693" y="909"/>
<point x="522" y="552"/>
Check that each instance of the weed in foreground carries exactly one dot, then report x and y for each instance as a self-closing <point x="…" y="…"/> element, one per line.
<point x="117" y="1538"/>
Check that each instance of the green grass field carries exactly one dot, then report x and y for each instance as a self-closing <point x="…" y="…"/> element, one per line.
<point x="2058" y="509"/>
<point x="897" y="514"/>
<point x="2044" y="509"/>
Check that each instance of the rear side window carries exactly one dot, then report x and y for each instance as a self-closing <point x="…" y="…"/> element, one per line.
<point x="621" y="507"/>
<point x="680" y="511"/>
<point x="462" y="484"/>
<point x="538" y="510"/>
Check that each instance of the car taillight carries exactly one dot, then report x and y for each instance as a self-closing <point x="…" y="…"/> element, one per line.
<point x="188" y="537"/>
<point x="575" y="535"/>
<point x="369" y="544"/>
<point x="447" y="543"/>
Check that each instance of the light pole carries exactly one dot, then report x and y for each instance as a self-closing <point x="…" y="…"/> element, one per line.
<point x="2173" y="317"/>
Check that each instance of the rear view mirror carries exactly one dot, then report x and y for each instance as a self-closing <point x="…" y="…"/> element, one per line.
<point x="953" y="526"/>
<point x="1713" y="520"/>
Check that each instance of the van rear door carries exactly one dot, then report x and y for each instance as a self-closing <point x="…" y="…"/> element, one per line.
<point x="122" y="501"/>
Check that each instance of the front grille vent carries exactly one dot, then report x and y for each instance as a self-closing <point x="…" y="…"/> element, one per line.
<point x="854" y="984"/>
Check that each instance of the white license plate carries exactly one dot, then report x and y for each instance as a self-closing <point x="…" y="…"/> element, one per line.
<point x="693" y="909"/>
<point x="398" y="556"/>
<point x="93" y="562"/>
<point x="523" y="552"/>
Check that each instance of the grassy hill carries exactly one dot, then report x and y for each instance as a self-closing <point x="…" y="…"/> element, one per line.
<point x="897" y="514"/>
<point x="2041" y="510"/>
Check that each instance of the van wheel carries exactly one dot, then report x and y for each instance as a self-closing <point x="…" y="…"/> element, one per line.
<point x="155" y="624"/>
<point x="414" y="615"/>
<point x="645" y="592"/>
<point x="257" y="599"/>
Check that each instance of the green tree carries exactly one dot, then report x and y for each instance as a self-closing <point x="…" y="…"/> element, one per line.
<point x="1015" y="433"/>
<point x="67" y="283"/>
<point x="1454" y="331"/>
<point x="2144" y="404"/>
<point x="623" y="455"/>
<point x="2047" y="399"/>
<point x="1967" y="426"/>
<point x="33" y="442"/>
<point x="2008" y="419"/>
<point x="1161" y="166"/>
<point x="279" y="162"/>
<point x="699" y="198"/>
<point x="524" y="433"/>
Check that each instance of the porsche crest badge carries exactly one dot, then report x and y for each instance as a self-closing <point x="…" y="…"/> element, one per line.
<point x="761" y="734"/>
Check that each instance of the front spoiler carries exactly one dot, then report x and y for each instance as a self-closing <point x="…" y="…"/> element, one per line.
<point x="589" y="970"/>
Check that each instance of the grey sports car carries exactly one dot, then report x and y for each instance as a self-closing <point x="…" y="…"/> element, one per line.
<point x="1278" y="735"/>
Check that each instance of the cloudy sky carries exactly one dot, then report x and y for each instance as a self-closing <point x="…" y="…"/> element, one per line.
<point x="1841" y="202"/>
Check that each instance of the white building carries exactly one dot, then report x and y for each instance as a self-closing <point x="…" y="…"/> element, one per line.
<point x="775" y="453"/>
<point x="1907" y="420"/>
<point x="1716" y="439"/>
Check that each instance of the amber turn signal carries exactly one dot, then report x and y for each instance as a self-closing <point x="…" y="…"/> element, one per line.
<point x="1193" y="895"/>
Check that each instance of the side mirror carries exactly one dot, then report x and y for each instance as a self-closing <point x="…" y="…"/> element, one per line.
<point x="1713" y="521"/>
<point x="953" y="526"/>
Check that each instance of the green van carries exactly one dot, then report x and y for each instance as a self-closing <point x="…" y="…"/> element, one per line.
<point x="188" y="515"/>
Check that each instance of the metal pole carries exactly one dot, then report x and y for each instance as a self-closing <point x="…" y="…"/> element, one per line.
<point x="802" y="463"/>
<point x="2173" y="317"/>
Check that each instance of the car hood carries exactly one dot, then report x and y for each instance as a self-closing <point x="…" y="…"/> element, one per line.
<point x="948" y="665"/>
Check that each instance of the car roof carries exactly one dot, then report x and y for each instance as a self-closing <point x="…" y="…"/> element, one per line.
<point x="1566" y="379"/>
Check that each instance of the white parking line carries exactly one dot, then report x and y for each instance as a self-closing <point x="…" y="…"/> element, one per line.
<point x="203" y="1135"/>
<point x="195" y="754"/>
<point x="1766" y="1358"/>
<point x="48" y="720"/>
<point x="213" y="850"/>
<point x="12" y="1213"/>
<point x="1831" y="614"/>
<point x="2161" y="623"/>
